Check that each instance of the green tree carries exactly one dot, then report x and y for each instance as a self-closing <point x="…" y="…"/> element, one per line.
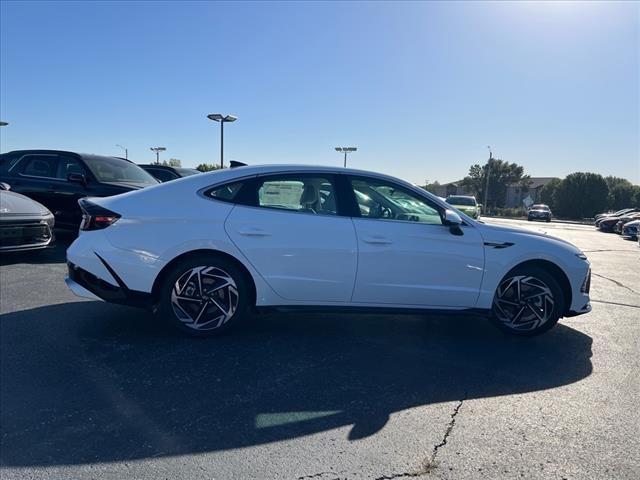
<point x="172" y="162"/>
<point x="635" y="202"/>
<point x="207" y="167"/>
<point x="581" y="195"/>
<point x="548" y="191"/>
<point x="501" y="175"/>
<point x="621" y="195"/>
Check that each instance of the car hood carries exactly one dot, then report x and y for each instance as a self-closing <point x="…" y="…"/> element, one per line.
<point x="632" y="223"/>
<point x="12" y="203"/>
<point x="539" y="210"/>
<point x="504" y="232"/>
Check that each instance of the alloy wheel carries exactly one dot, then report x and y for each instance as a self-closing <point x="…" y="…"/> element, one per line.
<point x="523" y="303"/>
<point x="204" y="298"/>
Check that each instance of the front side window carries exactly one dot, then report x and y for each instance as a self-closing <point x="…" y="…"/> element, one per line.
<point x="69" y="165"/>
<point x="40" y="166"/>
<point x="298" y="193"/>
<point x="386" y="201"/>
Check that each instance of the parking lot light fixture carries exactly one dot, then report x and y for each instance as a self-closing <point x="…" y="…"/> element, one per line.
<point x="126" y="151"/>
<point x="346" y="150"/>
<point x="222" y="119"/>
<point x="158" y="150"/>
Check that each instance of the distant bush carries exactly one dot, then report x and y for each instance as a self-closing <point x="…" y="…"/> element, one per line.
<point x="581" y="195"/>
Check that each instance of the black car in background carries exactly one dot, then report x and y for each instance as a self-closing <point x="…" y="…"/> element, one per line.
<point x="539" y="212"/>
<point x="58" y="179"/>
<point x="165" y="173"/>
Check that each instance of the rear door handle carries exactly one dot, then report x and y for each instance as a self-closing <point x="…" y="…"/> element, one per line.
<point x="376" y="240"/>
<point x="254" y="232"/>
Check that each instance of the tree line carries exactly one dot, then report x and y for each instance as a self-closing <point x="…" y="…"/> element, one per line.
<point x="579" y="195"/>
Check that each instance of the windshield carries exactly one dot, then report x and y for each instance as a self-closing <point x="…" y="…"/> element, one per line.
<point x="464" y="201"/>
<point x="110" y="169"/>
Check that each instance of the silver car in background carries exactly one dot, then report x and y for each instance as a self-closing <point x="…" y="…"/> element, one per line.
<point x="24" y="223"/>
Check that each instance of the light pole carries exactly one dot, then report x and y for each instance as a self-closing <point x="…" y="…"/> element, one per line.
<point x="157" y="150"/>
<point x="218" y="117"/>
<point x="346" y="150"/>
<point x="486" y="188"/>
<point x="4" y="124"/>
<point x="126" y="151"/>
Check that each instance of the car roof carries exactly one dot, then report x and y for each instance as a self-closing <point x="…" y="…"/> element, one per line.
<point x="65" y="152"/>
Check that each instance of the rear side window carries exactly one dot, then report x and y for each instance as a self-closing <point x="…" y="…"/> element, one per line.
<point x="299" y="193"/>
<point x="227" y="192"/>
<point x="40" y="166"/>
<point x="7" y="162"/>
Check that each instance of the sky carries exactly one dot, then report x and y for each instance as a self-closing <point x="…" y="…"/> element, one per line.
<point x="421" y="88"/>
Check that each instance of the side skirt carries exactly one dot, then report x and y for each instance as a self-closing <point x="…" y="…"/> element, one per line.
<point x="336" y="309"/>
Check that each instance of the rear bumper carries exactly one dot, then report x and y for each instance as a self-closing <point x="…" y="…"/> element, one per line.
<point x="85" y="284"/>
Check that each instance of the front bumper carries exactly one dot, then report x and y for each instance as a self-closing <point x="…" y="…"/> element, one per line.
<point x="18" y="236"/>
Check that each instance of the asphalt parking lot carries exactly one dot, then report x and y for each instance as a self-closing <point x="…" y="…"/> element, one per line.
<point x="92" y="390"/>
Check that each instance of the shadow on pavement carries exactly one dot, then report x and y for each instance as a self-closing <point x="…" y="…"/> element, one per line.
<point x="90" y="382"/>
<point x="55" y="253"/>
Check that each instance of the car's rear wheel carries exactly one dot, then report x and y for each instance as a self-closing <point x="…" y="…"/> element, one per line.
<point x="527" y="302"/>
<point x="204" y="296"/>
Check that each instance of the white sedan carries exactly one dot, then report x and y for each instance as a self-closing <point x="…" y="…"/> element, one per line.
<point x="204" y="251"/>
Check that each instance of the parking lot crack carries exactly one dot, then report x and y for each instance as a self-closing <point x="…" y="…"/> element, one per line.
<point x="620" y="284"/>
<point x="430" y="463"/>
<point x="615" y="303"/>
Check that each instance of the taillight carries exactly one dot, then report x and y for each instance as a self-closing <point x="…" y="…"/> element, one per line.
<point x="95" y="217"/>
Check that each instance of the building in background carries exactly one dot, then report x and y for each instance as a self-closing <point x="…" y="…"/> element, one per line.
<point x="516" y="193"/>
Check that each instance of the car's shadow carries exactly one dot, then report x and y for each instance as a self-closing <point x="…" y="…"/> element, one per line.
<point x="90" y="382"/>
<point x="55" y="253"/>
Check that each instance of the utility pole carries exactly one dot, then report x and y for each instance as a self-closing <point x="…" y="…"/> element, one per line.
<point x="486" y="188"/>
<point x="157" y="150"/>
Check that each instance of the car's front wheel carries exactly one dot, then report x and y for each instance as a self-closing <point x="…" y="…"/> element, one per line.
<point x="204" y="296"/>
<point x="527" y="302"/>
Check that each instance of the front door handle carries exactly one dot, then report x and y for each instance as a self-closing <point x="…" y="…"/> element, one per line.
<point x="253" y="232"/>
<point x="377" y="240"/>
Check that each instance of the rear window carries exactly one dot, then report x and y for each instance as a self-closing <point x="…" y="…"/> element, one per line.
<point x="111" y="169"/>
<point x="186" y="172"/>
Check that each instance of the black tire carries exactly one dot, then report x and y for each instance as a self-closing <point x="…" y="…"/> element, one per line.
<point x="528" y="219"/>
<point x="179" y="308"/>
<point x="548" y="220"/>
<point x="539" y="292"/>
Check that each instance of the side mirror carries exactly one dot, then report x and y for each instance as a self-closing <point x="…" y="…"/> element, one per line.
<point x="451" y="218"/>
<point x="5" y="186"/>
<point x="77" y="178"/>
